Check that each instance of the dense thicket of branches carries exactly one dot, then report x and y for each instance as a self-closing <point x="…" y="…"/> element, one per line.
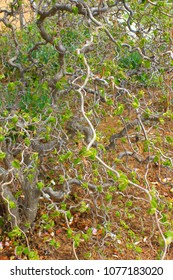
<point x="86" y="100"/>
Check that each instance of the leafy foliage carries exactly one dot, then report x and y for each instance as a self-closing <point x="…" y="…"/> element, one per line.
<point x="86" y="129"/>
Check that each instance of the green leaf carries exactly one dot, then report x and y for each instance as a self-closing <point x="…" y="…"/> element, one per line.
<point x="77" y="240"/>
<point x="12" y="204"/>
<point x="2" y="137"/>
<point x="2" y="76"/>
<point x="119" y="110"/>
<point x="167" y="162"/>
<point x="147" y="64"/>
<point x="15" y="119"/>
<point x="16" y="164"/>
<point x="83" y="207"/>
<point x="25" y="250"/>
<point x="138" y="249"/>
<point x="15" y="232"/>
<point x="117" y="214"/>
<point x="11" y="86"/>
<point x="91" y="153"/>
<point x="169" y="139"/>
<point x="169" y="233"/>
<point x="40" y="185"/>
<point x="52" y="120"/>
<point x="75" y="10"/>
<point x="19" y="250"/>
<point x="2" y="155"/>
<point x="108" y="197"/>
<point x="77" y="161"/>
<point x="66" y="156"/>
<point x="85" y="185"/>
<point x="152" y="211"/>
<point x="109" y="101"/>
<point x="169" y="236"/>
<point x="69" y="215"/>
<point x="164" y="218"/>
<point x="85" y="237"/>
<point x="153" y="203"/>
<point x="27" y="141"/>
<point x="123" y="182"/>
<point x="33" y="255"/>
<point x="112" y="174"/>
<point x="69" y="232"/>
<point x="45" y="217"/>
<point x="135" y="103"/>
<point x="122" y="186"/>
<point x="61" y="179"/>
<point x="54" y="243"/>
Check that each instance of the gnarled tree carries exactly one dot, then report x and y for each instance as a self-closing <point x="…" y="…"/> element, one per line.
<point x="86" y="102"/>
